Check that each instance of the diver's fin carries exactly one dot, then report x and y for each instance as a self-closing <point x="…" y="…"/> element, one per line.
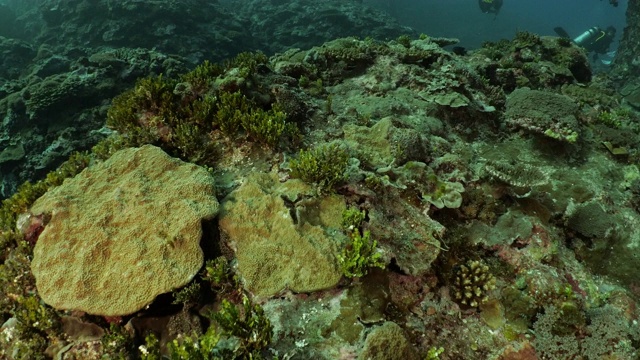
<point x="561" y="32"/>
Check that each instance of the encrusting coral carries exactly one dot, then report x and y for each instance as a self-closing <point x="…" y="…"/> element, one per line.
<point x="122" y="232"/>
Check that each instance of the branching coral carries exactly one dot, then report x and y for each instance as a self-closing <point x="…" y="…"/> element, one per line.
<point x="473" y="281"/>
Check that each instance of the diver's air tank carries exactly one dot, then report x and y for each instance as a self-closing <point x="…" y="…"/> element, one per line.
<point x="588" y="36"/>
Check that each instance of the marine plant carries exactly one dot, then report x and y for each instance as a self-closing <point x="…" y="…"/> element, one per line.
<point x="220" y="276"/>
<point x="564" y="42"/>
<point x="324" y="166"/>
<point x="36" y="324"/>
<point x="116" y="342"/>
<point x="434" y="353"/>
<point x="142" y="115"/>
<point x="316" y="88"/>
<point x="352" y="218"/>
<point x="267" y="127"/>
<point x="245" y="329"/>
<point x="180" y="114"/>
<point x="249" y="327"/>
<point x="360" y="254"/>
<point x="247" y="62"/>
<point x="524" y="39"/>
<point x="562" y="134"/>
<point x="614" y="118"/>
<point x="108" y="146"/>
<point x="404" y="40"/>
<point x="235" y="112"/>
<point x="151" y="348"/>
<point x="18" y="203"/>
<point x="183" y="348"/>
<point x="199" y="79"/>
<point x="195" y="348"/>
<point x="188" y="295"/>
<point x="232" y="109"/>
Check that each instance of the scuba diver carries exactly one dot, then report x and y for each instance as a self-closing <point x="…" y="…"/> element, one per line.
<point x="596" y="41"/>
<point x="600" y="43"/>
<point x="490" y="6"/>
<point x="593" y="40"/>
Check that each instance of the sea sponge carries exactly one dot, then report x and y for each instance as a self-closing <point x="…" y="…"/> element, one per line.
<point x="122" y="232"/>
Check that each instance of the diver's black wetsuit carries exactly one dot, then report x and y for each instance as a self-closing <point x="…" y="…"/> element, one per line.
<point x="601" y="43"/>
<point x="490" y="6"/>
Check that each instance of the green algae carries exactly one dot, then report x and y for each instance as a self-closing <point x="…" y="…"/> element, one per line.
<point x="324" y="166"/>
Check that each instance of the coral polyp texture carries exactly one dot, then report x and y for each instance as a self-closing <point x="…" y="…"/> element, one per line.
<point x="280" y="238"/>
<point x="122" y="232"/>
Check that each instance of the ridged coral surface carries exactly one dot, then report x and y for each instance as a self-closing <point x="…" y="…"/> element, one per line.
<point x="122" y="232"/>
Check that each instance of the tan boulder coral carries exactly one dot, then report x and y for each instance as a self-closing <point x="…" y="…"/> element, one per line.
<point x="122" y="232"/>
<point x="282" y="236"/>
<point x="388" y="342"/>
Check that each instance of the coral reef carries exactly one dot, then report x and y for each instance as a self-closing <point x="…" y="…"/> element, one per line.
<point x="378" y="199"/>
<point x="261" y="218"/>
<point x="533" y="61"/>
<point x="64" y="61"/>
<point x="543" y="113"/>
<point x="472" y="283"/>
<point x="386" y="342"/>
<point x="116" y="202"/>
<point x="324" y="166"/>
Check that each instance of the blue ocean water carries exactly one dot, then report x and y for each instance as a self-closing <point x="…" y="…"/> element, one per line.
<point x="464" y="20"/>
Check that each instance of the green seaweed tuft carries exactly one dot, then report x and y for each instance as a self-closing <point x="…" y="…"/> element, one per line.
<point x="360" y="255"/>
<point x="324" y="166"/>
<point x="352" y="218"/>
<point x="250" y="327"/>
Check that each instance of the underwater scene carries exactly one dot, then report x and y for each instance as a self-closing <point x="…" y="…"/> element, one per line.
<point x="320" y="180"/>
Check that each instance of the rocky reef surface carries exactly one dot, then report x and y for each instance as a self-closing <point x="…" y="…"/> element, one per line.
<point x="626" y="66"/>
<point x="64" y="60"/>
<point x="358" y="199"/>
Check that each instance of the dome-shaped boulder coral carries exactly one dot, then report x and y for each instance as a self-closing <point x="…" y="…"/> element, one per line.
<point x="122" y="232"/>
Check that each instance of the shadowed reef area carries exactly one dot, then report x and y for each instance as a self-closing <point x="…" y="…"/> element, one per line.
<point x="310" y="180"/>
